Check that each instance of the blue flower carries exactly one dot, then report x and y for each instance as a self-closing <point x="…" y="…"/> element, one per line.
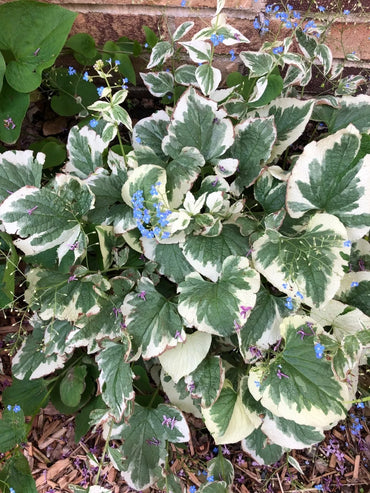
<point x="232" y="53"/>
<point x="276" y="51"/>
<point x="299" y="294"/>
<point x="360" y="405"/>
<point x="71" y="71"/>
<point x="86" y="76"/>
<point x="146" y="45"/>
<point x="347" y="243"/>
<point x="183" y="4"/>
<point x="288" y="25"/>
<point x="117" y="62"/>
<point x="354" y="284"/>
<point x="268" y="9"/>
<point x="321" y="8"/>
<point x="93" y="123"/>
<point x="210" y="479"/>
<point x="289" y="7"/>
<point x="346" y="12"/>
<point x="192" y="489"/>
<point x="9" y="407"/>
<point x="16" y="408"/>
<point x="256" y="24"/>
<point x="100" y="90"/>
<point x="11" y="490"/>
<point x="276" y="8"/>
<point x="296" y="15"/>
<point x="319" y="350"/>
<point x="289" y="303"/>
<point x="138" y="140"/>
<point x="319" y="487"/>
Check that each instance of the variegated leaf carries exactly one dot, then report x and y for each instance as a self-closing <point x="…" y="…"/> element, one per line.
<point x="178" y="397"/>
<point x="186" y="356"/>
<point x="144" y="443"/>
<point x="291" y="117"/>
<point x="310" y="264"/>
<point x="150" y="132"/>
<point x="158" y="83"/>
<point x="160" y="53"/>
<point x="228" y="420"/>
<point x="252" y="146"/>
<point x="208" y="78"/>
<point x="327" y="177"/>
<point x="183" y="29"/>
<point x="299" y="385"/>
<point x="355" y="290"/>
<point x="352" y="110"/>
<point x="324" y="54"/>
<point x="258" y="63"/>
<point x="46" y="218"/>
<point x="19" y="168"/>
<point x="198" y="51"/>
<point x="152" y="321"/>
<point x="85" y="152"/>
<point x="270" y="192"/>
<point x="115" y="377"/>
<point x="215" y="307"/>
<point x="206" y="254"/>
<point x="259" y="447"/>
<point x="206" y="381"/>
<point x="196" y="122"/>
<point x="185" y="75"/>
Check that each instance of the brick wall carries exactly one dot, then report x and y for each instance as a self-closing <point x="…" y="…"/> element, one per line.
<point x="110" y="19"/>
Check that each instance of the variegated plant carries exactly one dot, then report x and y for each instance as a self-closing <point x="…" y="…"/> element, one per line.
<point x="237" y="280"/>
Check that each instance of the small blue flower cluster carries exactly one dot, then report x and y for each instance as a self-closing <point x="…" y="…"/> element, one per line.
<point x="233" y="57"/>
<point x="261" y="26"/>
<point x="277" y="50"/>
<point x="356" y="426"/>
<point x="319" y="350"/>
<point x="15" y="409"/>
<point x="217" y="39"/>
<point x="289" y="303"/>
<point x="157" y="217"/>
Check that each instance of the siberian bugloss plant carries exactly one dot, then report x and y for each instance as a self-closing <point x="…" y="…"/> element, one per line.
<point x="210" y="257"/>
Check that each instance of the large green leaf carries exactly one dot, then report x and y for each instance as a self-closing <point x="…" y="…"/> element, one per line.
<point x="310" y="264"/>
<point x="149" y="132"/>
<point x="196" y="122"/>
<point x="85" y="148"/>
<point x="144" y="447"/>
<point x="291" y="117"/>
<point x="327" y="177"/>
<point x="152" y="320"/>
<point x="252" y="146"/>
<point x="7" y="270"/>
<point x="206" y="254"/>
<point x="19" y="168"/>
<point x="228" y="420"/>
<point x="216" y="307"/>
<point x="12" y="429"/>
<point x="298" y="384"/>
<point x="30" y="395"/>
<point x="13" y="108"/>
<point x="115" y="377"/>
<point x="47" y="218"/>
<point x="44" y="29"/>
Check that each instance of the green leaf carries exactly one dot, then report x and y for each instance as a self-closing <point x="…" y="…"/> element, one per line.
<point x="198" y="51"/>
<point x="12" y="429"/>
<point x="7" y="271"/>
<point x="83" y="45"/>
<point x="17" y="474"/>
<point x="144" y="447"/>
<point x="206" y="254"/>
<point x="19" y="168"/>
<point x="324" y="54"/>
<point x="327" y="177"/>
<point x="30" y="395"/>
<point x="208" y="78"/>
<point x="47" y="218"/>
<point x="115" y="378"/>
<point x="306" y="43"/>
<point x="45" y="29"/>
<point x="310" y="263"/>
<point x="170" y="483"/>
<point x="252" y="146"/>
<point x="187" y="356"/>
<point x="208" y="379"/>
<point x="215" y="307"/>
<point x="228" y="420"/>
<point x="13" y="106"/>
<point x="150" y="36"/>
<point x="152" y="320"/>
<point x="309" y="393"/>
<point x="2" y="70"/>
<point x="356" y="295"/>
<point x="258" y="63"/>
<point x="270" y="192"/>
<point x="214" y="487"/>
<point x="54" y="150"/>
<point x="85" y="148"/>
<point x="72" y="94"/>
<point x="72" y="385"/>
<point x="273" y="89"/>
<point x="158" y="83"/>
<point x="221" y="468"/>
<point x="185" y="75"/>
<point x="197" y="123"/>
<point x="258" y="446"/>
<point x="160" y="53"/>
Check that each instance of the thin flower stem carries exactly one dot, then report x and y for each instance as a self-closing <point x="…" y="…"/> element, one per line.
<point x="106" y="444"/>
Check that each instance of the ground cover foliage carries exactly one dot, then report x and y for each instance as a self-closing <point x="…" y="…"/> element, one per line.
<point x="200" y="268"/>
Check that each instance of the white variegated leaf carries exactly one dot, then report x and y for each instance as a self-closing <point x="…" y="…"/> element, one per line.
<point x="258" y="63"/>
<point x="208" y="78"/>
<point x="160" y="53"/>
<point x="198" y="51"/>
<point x="261" y="449"/>
<point x="310" y="264"/>
<point x="183" y="29"/>
<point x="177" y="397"/>
<point x="355" y="290"/>
<point x="186" y="356"/>
<point x="158" y="83"/>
